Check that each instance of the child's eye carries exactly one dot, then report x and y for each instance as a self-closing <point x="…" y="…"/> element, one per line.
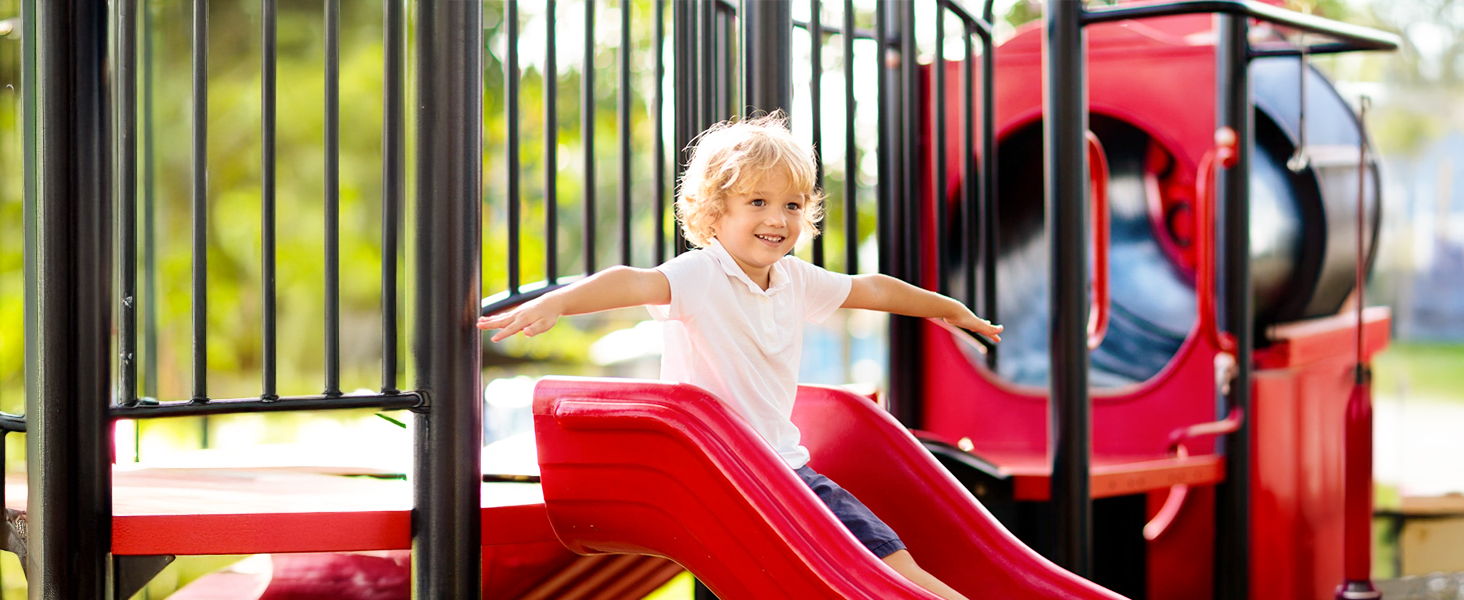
<point x="794" y="206"/>
<point x="759" y="202"/>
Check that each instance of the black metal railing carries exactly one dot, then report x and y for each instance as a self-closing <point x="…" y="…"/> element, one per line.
<point x="707" y="87"/>
<point x="130" y="404"/>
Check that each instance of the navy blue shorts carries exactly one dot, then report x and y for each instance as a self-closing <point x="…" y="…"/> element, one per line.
<point x="867" y="528"/>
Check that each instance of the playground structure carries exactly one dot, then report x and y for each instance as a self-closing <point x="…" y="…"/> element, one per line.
<point x="1221" y="267"/>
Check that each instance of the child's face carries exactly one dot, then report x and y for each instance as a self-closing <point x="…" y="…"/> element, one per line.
<point x="760" y="227"/>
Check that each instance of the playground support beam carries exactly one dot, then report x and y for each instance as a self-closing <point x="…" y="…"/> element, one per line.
<point x="70" y="437"/>
<point x="1234" y="110"/>
<point x="446" y="347"/>
<point x="767" y="52"/>
<point x="1065" y="106"/>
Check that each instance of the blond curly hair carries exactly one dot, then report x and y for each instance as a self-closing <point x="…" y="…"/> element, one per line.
<point x="730" y="158"/>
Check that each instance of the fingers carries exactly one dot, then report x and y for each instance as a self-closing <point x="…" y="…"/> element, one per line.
<point x="980" y="326"/>
<point x="513" y="322"/>
<point x="505" y="331"/>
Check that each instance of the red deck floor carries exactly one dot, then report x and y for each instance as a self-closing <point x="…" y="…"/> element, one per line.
<point x="253" y="511"/>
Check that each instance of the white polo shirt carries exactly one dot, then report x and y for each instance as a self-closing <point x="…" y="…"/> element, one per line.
<point x="726" y="335"/>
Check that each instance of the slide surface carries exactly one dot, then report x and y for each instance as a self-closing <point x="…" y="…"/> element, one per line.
<point x="650" y="467"/>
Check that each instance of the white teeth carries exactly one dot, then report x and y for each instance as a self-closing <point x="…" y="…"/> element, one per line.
<point x="774" y="239"/>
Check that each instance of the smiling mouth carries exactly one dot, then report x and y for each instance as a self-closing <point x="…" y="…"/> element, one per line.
<point x="774" y="239"/>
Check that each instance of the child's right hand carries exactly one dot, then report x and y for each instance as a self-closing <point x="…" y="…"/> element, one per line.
<point x="532" y="318"/>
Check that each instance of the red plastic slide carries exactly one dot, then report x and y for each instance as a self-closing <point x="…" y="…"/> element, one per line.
<point x="650" y="467"/>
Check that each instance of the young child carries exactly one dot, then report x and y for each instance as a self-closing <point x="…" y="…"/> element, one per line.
<point x="734" y="310"/>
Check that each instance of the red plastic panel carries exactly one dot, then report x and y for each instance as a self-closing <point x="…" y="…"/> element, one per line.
<point x="665" y="469"/>
<point x="949" y="533"/>
<point x="259" y="511"/>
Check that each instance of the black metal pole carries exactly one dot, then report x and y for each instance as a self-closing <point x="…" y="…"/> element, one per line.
<point x="70" y="433"/>
<point x="905" y="169"/>
<point x="815" y="97"/>
<point x="989" y="231"/>
<point x="149" y="225"/>
<point x="658" y="108"/>
<point x="332" y="197"/>
<point x="268" y="221"/>
<point x="884" y="187"/>
<point x="199" y="203"/>
<point x="448" y="257"/>
<point x="28" y="189"/>
<point x="125" y="84"/>
<point x="767" y="51"/>
<point x="623" y="119"/>
<point x="1065" y="123"/>
<point x="587" y="135"/>
<point x="511" y="124"/>
<point x="970" y="188"/>
<point x="393" y="183"/>
<point x="551" y="147"/>
<point x="938" y="127"/>
<point x="126" y="88"/>
<point x="1234" y="110"/>
<point x="851" y="149"/>
<point x="706" y="49"/>
<point x="684" y="85"/>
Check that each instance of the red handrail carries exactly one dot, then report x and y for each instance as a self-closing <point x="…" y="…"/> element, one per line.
<point x="1098" y="174"/>
<point x="1222" y="155"/>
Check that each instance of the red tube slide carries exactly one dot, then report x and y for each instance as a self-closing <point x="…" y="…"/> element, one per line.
<point x="650" y="467"/>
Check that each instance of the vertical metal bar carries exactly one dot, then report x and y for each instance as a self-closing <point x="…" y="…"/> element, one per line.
<point x="970" y="188"/>
<point x="658" y="108"/>
<point x="126" y="89"/>
<point x="713" y="53"/>
<point x="551" y="147"/>
<point x="851" y="149"/>
<point x="149" y="224"/>
<point x="28" y="43"/>
<point x="990" y="232"/>
<point x="587" y="134"/>
<point x="511" y="124"/>
<point x="1066" y="121"/>
<point x="624" y="120"/>
<point x="768" y="54"/>
<point x="200" y="202"/>
<point x="906" y="169"/>
<point x="393" y="183"/>
<point x="332" y="197"/>
<point x="1233" y="109"/>
<point x="815" y="96"/>
<point x="912" y="204"/>
<point x="683" y="23"/>
<point x="727" y="63"/>
<point x="446" y="351"/>
<point x="883" y="189"/>
<point x="70" y="486"/>
<point x="268" y="221"/>
<point x="938" y="190"/>
<point x="707" y="60"/>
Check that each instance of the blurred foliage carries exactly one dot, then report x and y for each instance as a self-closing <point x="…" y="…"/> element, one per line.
<point x="1420" y="370"/>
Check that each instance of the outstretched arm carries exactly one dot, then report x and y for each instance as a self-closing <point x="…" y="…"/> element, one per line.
<point x="616" y="287"/>
<point x="887" y="294"/>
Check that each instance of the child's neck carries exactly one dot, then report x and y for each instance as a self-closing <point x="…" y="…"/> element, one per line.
<point x="762" y="277"/>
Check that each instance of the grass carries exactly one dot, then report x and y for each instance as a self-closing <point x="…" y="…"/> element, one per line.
<point x="1431" y="370"/>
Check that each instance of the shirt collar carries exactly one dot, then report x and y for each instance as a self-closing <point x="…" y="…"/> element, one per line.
<point x="777" y="278"/>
